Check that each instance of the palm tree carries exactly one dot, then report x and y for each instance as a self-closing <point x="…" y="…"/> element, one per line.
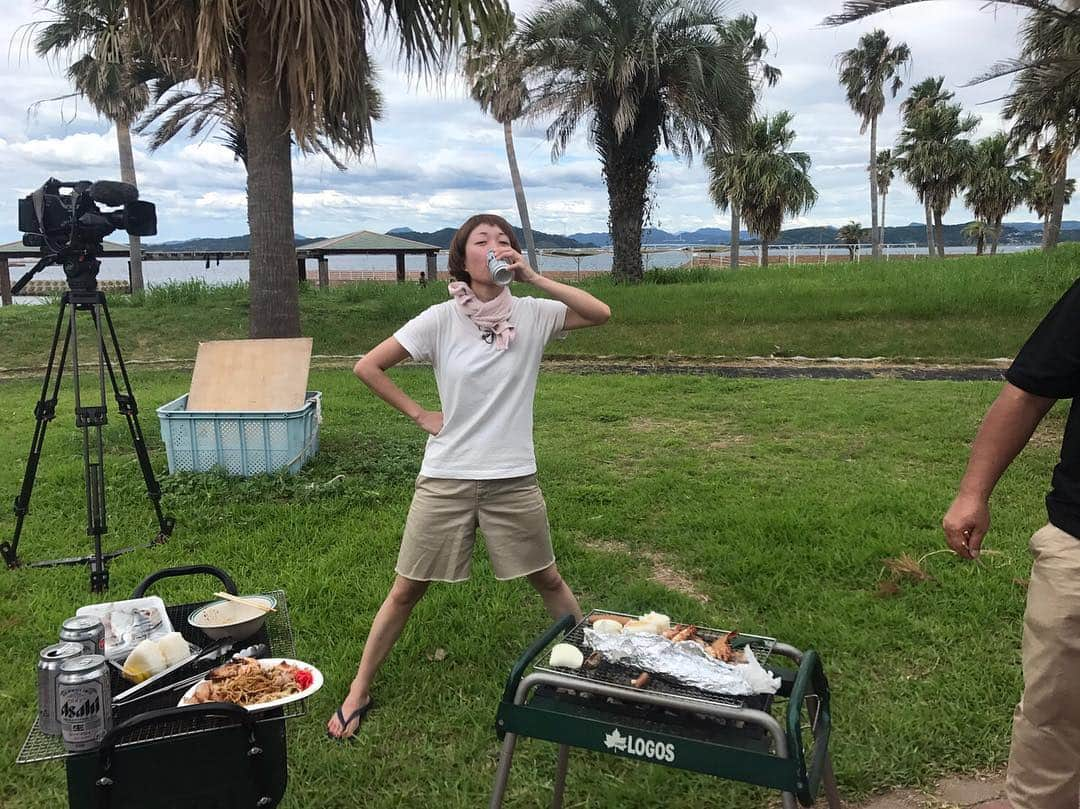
<point x="493" y="67"/>
<point x="776" y="181"/>
<point x="886" y="172"/>
<point x="99" y="31"/>
<point x="932" y="152"/>
<point x="994" y="183"/>
<point x="851" y="235"/>
<point x="1045" y="115"/>
<point x="864" y="72"/>
<point x="742" y="32"/>
<point x="642" y="73"/>
<point x="305" y="72"/>
<point x="1038" y="193"/>
<point x="978" y="232"/>
<point x="1047" y="74"/>
<point x="924" y="95"/>
<point x="728" y="189"/>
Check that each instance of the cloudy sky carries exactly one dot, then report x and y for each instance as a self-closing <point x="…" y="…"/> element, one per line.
<point x="437" y="159"/>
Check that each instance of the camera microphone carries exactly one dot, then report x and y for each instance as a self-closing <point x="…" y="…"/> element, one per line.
<point x="113" y="193"/>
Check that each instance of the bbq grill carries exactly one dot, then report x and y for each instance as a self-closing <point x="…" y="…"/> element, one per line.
<point x="160" y="756"/>
<point x="777" y="741"/>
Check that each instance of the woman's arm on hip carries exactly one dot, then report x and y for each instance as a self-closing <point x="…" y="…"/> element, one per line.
<point x="371" y="369"/>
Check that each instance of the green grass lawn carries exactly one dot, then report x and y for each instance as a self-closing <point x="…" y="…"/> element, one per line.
<point x="777" y="500"/>
<point x="954" y="309"/>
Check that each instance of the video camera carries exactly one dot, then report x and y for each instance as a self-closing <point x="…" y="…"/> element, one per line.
<point x="69" y="228"/>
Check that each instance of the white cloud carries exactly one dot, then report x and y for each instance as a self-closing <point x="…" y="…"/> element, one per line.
<point x="215" y="200"/>
<point x="209" y="154"/>
<point x="83" y="149"/>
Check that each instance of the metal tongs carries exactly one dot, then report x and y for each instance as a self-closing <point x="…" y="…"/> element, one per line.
<point x="213" y="654"/>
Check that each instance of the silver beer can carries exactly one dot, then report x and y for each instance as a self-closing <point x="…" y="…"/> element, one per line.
<point x="48" y="669"/>
<point x="87" y="630"/>
<point x="84" y="702"/>
<point x="500" y="271"/>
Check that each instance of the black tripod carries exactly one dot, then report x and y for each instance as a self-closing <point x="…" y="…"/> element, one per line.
<point x="83" y="296"/>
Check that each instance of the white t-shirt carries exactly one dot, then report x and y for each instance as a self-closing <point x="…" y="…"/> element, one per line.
<point x="486" y="394"/>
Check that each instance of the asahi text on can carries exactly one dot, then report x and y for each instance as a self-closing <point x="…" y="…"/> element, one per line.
<point x="48" y="669"/>
<point x="84" y="702"/>
<point x="87" y="630"/>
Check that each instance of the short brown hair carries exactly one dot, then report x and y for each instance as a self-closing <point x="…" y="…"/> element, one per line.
<point x="456" y="259"/>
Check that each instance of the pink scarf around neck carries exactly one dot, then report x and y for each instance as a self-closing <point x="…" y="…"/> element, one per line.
<point x="491" y="317"/>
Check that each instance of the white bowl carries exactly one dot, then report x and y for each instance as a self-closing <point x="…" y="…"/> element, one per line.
<point x="228" y="620"/>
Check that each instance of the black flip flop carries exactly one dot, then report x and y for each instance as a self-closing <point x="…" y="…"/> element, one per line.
<point x="356" y="716"/>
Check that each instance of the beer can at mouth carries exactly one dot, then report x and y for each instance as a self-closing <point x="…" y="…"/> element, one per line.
<point x="85" y="630"/>
<point x="84" y="702"/>
<point x="500" y="271"/>
<point x="48" y="669"/>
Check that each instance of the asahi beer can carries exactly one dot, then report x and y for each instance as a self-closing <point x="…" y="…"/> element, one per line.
<point x="48" y="669"/>
<point x="87" y="630"/>
<point x="84" y="702"/>
<point x="500" y="271"/>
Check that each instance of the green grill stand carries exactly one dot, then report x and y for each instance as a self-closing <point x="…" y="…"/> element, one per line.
<point x="748" y="745"/>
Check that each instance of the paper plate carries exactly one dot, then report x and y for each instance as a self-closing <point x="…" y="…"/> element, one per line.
<point x="269" y="663"/>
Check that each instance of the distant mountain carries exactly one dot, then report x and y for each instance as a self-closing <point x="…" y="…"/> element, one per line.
<point x="1011" y="233"/>
<point x="441" y="238"/>
<point x="592" y="239"/>
<point x="1066" y="224"/>
<point x="1020" y="233"/>
<point x="222" y="243"/>
<point x="658" y="236"/>
<point x="915" y="233"/>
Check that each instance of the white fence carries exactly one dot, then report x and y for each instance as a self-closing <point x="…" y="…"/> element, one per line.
<point x="720" y="255"/>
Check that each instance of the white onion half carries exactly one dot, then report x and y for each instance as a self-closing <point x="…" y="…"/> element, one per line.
<point x="565" y="656"/>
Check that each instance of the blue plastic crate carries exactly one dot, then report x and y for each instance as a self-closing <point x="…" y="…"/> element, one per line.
<point x="242" y="443"/>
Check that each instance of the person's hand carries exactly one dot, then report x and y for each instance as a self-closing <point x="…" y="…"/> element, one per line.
<point x="430" y="420"/>
<point x="522" y="271"/>
<point x="966" y="523"/>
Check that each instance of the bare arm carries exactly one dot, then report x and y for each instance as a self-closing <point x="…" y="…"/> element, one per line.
<point x="1004" y="432"/>
<point x="371" y="369"/>
<point x="585" y="309"/>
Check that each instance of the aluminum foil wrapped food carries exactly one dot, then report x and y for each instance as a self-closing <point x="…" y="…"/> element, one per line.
<point x="685" y="662"/>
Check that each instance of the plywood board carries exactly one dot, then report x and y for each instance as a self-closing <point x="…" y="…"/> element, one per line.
<point x="250" y="375"/>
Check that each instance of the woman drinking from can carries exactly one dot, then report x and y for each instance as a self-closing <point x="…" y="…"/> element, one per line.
<point x="479" y="468"/>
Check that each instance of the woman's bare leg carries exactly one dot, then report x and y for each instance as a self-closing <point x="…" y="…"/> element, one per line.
<point x="558" y="598"/>
<point x="385" y="629"/>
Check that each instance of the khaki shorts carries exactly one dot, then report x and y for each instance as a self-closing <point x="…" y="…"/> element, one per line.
<point x="441" y="528"/>
<point x="1044" y="759"/>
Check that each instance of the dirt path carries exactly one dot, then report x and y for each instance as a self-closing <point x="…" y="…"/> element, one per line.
<point x="979" y="791"/>
<point x="732" y="367"/>
<point x="785" y="368"/>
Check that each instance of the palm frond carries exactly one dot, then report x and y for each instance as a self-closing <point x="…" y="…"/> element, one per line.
<point x="860" y="9"/>
<point x="867" y="69"/>
<point x="621" y="62"/>
<point x="98" y="44"/>
<point x="320" y="55"/>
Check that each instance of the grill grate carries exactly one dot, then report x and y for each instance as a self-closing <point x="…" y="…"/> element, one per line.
<point x="276" y="632"/>
<point x="620" y="675"/>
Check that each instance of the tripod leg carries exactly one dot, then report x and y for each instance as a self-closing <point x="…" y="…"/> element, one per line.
<point x="127" y="405"/>
<point x="87" y="418"/>
<point x="44" y="412"/>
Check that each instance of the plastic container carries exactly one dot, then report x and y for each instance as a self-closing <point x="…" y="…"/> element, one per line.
<point x="241" y="443"/>
<point x="128" y="622"/>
